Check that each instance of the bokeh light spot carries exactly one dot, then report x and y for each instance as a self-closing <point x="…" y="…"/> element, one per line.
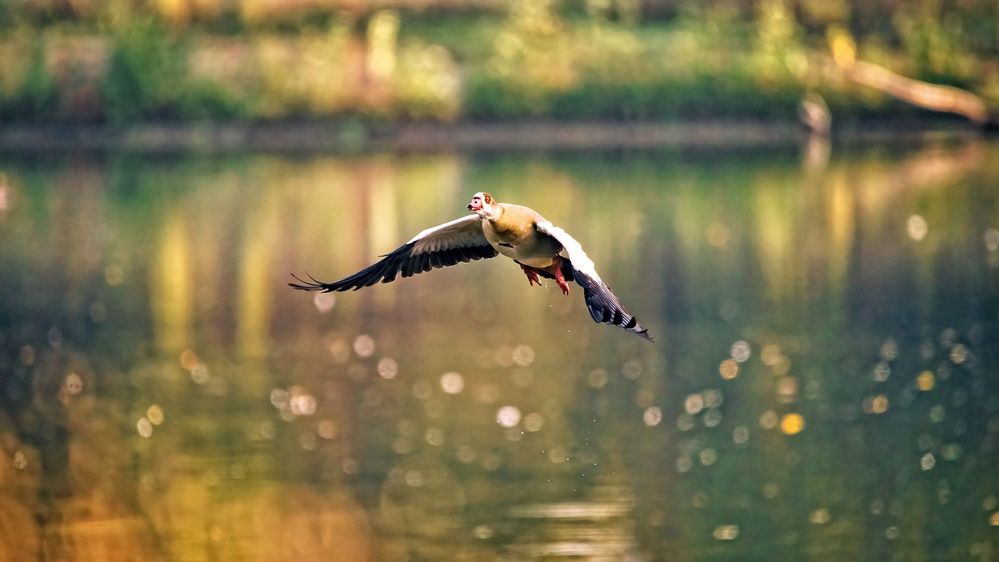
<point x="917" y="227"/>
<point x="726" y="532"/>
<point x="508" y="416"/>
<point x="927" y="461"/>
<point x="523" y="355"/>
<point x="144" y="427"/>
<point x="73" y="383"/>
<point x="326" y="429"/>
<point x="534" y="421"/>
<point x="652" y="416"/>
<point x="876" y="404"/>
<point x="693" y="404"/>
<point x="792" y="424"/>
<point x="155" y="414"/>
<point x="729" y="369"/>
<point x="740" y="435"/>
<point x="925" y="381"/>
<point x="114" y="275"/>
<point x="364" y="345"/>
<point x="597" y="378"/>
<point x="958" y="354"/>
<point x="769" y="419"/>
<point x="740" y="351"/>
<point x="324" y="302"/>
<point x="819" y="516"/>
<point x="452" y="383"/>
<point x="388" y="368"/>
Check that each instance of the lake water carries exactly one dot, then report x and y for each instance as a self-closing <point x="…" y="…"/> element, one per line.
<point x="824" y="383"/>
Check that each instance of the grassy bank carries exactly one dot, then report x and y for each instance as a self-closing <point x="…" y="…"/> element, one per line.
<point x="519" y="60"/>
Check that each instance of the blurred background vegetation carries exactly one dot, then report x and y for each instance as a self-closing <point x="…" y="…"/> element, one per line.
<point x="126" y="61"/>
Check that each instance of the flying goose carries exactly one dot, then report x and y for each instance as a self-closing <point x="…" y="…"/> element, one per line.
<point x="518" y="232"/>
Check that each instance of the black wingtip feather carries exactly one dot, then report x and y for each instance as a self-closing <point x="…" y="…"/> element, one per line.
<point x="605" y="307"/>
<point x="399" y="261"/>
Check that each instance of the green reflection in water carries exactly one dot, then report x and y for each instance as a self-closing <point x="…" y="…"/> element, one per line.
<point x="823" y="385"/>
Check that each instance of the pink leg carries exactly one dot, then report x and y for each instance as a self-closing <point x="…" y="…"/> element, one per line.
<point x="559" y="278"/>
<point x="532" y="276"/>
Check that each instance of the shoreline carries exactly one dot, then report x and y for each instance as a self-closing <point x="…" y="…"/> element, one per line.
<point x="530" y="135"/>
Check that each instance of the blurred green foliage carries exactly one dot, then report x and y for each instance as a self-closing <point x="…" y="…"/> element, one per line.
<point x="34" y="95"/>
<point x="129" y="60"/>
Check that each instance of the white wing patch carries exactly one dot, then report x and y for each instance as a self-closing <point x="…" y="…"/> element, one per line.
<point x="463" y="232"/>
<point x="580" y="261"/>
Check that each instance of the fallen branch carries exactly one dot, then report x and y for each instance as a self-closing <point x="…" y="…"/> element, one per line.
<point x="946" y="99"/>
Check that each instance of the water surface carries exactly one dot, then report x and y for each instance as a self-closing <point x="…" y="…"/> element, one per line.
<point x="824" y="384"/>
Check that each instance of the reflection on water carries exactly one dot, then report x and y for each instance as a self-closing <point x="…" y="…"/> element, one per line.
<point x="824" y="384"/>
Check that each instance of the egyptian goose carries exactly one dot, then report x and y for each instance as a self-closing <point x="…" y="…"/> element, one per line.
<point x="517" y="232"/>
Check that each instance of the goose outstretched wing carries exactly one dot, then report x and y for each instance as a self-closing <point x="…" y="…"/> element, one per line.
<point x="603" y="304"/>
<point x="451" y="243"/>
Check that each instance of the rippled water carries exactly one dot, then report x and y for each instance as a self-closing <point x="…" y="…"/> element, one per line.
<point x="824" y="384"/>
